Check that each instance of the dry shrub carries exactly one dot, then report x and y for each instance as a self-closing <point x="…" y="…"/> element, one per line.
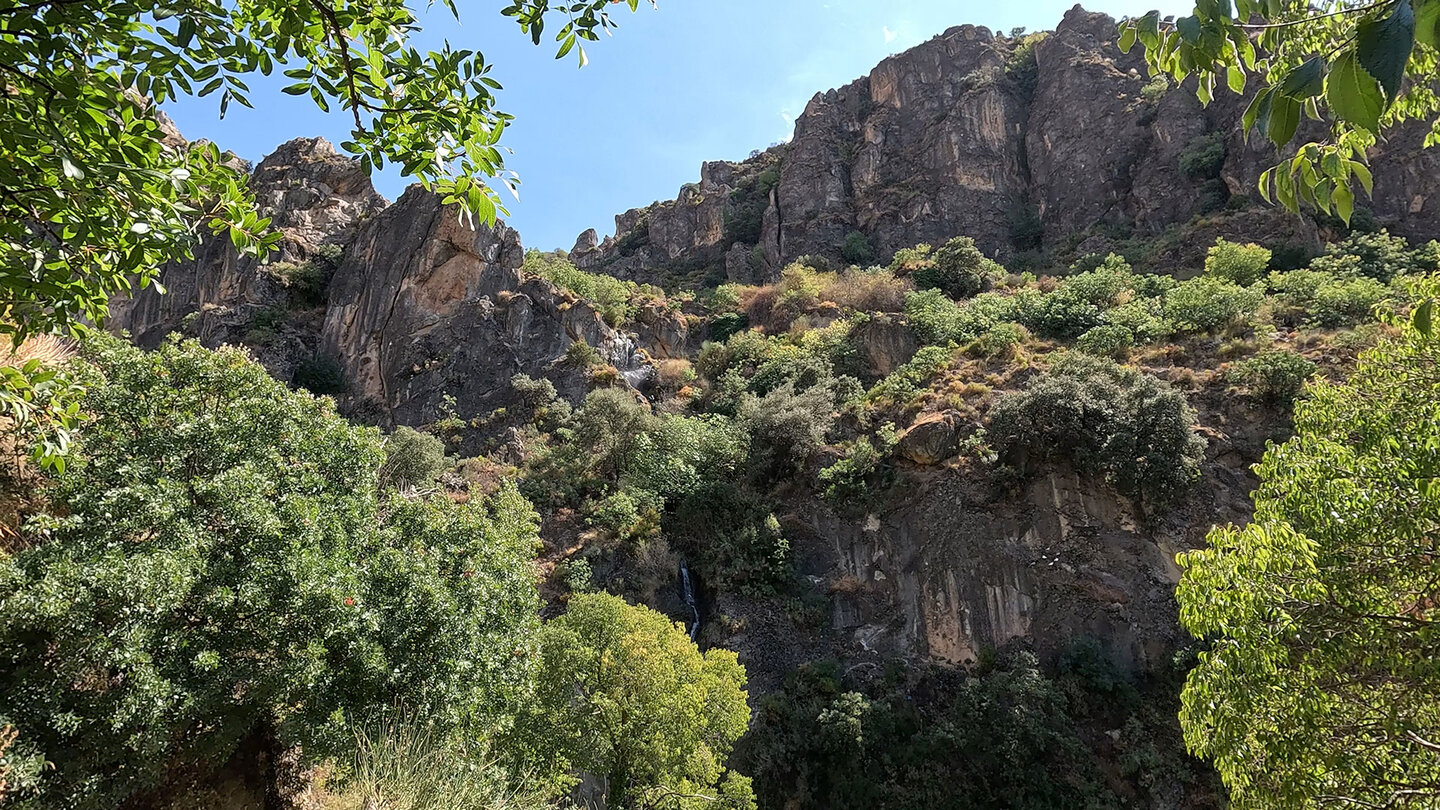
<point x="674" y="373"/>
<point x="868" y="291"/>
<point x="656" y="566"/>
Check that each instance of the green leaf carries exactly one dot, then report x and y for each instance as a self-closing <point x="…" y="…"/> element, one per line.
<point x="1235" y="78"/>
<point x="1362" y="171"/>
<point x="1427" y="23"/>
<point x="1424" y="317"/>
<point x="1127" y="38"/>
<point x="1284" y="119"/>
<point x="1353" y="95"/>
<point x="1344" y="200"/>
<point x="1305" y="80"/>
<point x="1383" y="46"/>
<point x="1252" y="112"/>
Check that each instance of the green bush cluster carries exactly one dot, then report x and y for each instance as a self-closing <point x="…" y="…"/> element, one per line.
<point x="1004" y="736"/>
<point x="1207" y="303"/>
<point x="745" y="214"/>
<point x="856" y="249"/>
<point x="1237" y="263"/>
<point x="1318" y="298"/>
<point x="617" y="301"/>
<point x="413" y="459"/>
<point x="1106" y="419"/>
<point x="1274" y="376"/>
<point x="905" y="384"/>
<point x="1204" y="157"/>
<point x="321" y="375"/>
<point x="958" y="269"/>
<point x="223" y="571"/>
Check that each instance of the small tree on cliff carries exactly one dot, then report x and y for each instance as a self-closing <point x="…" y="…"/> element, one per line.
<point x="1321" y="687"/>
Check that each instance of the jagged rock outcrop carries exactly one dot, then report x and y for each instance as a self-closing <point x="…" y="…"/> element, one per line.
<point x="315" y="197"/>
<point x="962" y="135"/>
<point x="425" y="306"/>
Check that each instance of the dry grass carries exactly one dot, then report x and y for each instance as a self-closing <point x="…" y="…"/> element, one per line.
<point x="867" y="292"/>
<point x="50" y="350"/>
<point x="674" y="374"/>
<point x="19" y="484"/>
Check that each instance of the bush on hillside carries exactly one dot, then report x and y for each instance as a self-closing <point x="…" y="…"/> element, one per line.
<point x="1107" y="340"/>
<point x="1237" y="263"/>
<point x="321" y="375"/>
<point x="856" y="248"/>
<point x="1204" y="157"/>
<point x="1276" y="376"/>
<point x="1374" y="255"/>
<point x="1206" y="304"/>
<point x="1315" y="298"/>
<point x="221" y="573"/>
<point x="412" y="459"/>
<point x="1107" y="419"/>
<point x="958" y="269"/>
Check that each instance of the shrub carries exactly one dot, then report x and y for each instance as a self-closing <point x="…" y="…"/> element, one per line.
<point x="725" y="324"/>
<point x="1027" y="230"/>
<point x="321" y="375"/>
<point x="1204" y="157"/>
<point x="611" y="297"/>
<point x="935" y="318"/>
<point x="959" y="269"/>
<point x="1276" y="376"/>
<point x="908" y="260"/>
<point x="1103" y="285"/>
<point x="1206" y="303"/>
<point x="1063" y="314"/>
<point x="1374" y="255"/>
<point x="905" y="384"/>
<point x="532" y="393"/>
<point x="413" y="459"/>
<point x="305" y="282"/>
<point x="1006" y="737"/>
<point x="872" y="290"/>
<point x="617" y="514"/>
<point x="736" y="537"/>
<point x="582" y="355"/>
<point x="406" y="762"/>
<point x="788" y="424"/>
<point x="225" y="574"/>
<point x="1106" y="419"/>
<point x="745" y="215"/>
<point x="1317" y="298"/>
<point x="1237" y="263"/>
<point x="1106" y="340"/>
<point x="1155" y="89"/>
<point x="1143" y="318"/>
<point x="857" y="248"/>
<point x="1000" y="339"/>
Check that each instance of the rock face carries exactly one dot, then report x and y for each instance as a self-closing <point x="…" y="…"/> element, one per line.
<point x="966" y="135"/>
<point x="314" y="196"/>
<point x="425" y="306"/>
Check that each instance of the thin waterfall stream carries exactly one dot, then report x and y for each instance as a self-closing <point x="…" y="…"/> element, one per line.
<point x="687" y="592"/>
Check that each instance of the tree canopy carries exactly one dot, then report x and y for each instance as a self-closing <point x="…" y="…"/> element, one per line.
<point x="1369" y="66"/>
<point x="219" y="568"/>
<point x="625" y="695"/>
<point x="1321" y="686"/>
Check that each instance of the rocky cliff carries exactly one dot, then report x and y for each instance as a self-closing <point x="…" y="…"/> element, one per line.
<point x="1013" y="141"/>
<point x="971" y="133"/>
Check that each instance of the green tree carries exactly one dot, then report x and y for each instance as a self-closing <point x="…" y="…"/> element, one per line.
<point x="958" y="269"/>
<point x="625" y="695"/>
<point x="1369" y="66"/>
<point x="1320" y="687"/>
<point x="93" y="197"/>
<point x="219" y="570"/>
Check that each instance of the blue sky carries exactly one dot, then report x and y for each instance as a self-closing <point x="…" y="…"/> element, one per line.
<point x="692" y="81"/>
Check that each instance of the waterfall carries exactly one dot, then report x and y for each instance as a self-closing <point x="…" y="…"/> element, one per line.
<point x="687" y="592"/>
